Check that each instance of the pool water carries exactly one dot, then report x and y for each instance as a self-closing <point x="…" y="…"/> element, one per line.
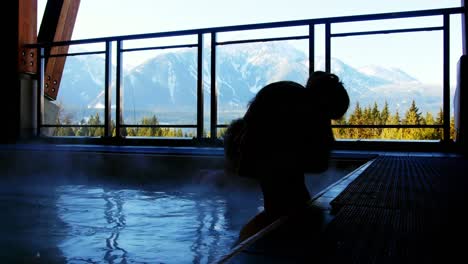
<point x="196" y="222"/>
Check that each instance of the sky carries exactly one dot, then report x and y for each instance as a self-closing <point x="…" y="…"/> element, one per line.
<point x="417" y="53"/>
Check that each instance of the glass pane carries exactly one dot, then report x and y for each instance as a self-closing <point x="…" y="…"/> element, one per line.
<point x="161" y="90"/>
<point x="243" y="69"/>
<point x="391" y="79"/>
<point x="80" y="96"/>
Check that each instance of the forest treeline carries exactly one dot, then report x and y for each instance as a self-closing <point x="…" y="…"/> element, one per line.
<point x="368" y="115"/>
<point x="95" y="120"/>
<point x="372" y="115"/>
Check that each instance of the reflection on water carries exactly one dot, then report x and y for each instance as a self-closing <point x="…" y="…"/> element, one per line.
<point x="122" y="226"/>
<point x="114" y="216"/>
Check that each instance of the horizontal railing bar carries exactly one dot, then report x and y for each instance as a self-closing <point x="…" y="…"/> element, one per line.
<point x="292" y="23"/>
<point x="261" y="40"/>
<point x="224" y="125"/>
<point x="161" y="47"/>
<point x="44" y="125"/>
<point x="387" y="126"/>
<point x="391" y="31"/>
<point x="156" y="126"/>
<point x="76" y="54"/>
<point x="372" y="126"/>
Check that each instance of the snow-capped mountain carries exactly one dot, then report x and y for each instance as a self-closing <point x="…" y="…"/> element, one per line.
<point x="167" y="82"/>
<point x="392" y="75"/>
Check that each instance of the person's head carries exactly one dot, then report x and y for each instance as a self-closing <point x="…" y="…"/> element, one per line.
<point x="330" y="92"/>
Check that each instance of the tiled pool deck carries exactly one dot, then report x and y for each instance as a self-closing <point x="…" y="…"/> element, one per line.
<point x="400" y="207"/>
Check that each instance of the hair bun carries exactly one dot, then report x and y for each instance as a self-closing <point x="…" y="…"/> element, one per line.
<point x="331" y="93"/>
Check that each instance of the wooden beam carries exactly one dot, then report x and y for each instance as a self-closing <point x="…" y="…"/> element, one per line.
<point x="27" y="34"/>
<point x="57" y="25"/>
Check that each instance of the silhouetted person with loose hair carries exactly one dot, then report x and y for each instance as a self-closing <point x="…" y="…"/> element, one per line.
<point x="285" y="132"/>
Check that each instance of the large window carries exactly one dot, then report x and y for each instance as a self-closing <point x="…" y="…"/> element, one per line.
<point x="193" y="83"/>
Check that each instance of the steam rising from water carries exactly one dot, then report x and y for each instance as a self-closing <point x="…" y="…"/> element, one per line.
<point x="84" y="207"/>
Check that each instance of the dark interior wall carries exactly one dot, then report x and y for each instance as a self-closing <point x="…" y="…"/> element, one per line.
<point x="9" y="104"/>
<point x="461" y="94"/>
<point x="461" y="104"/>
<point x="20" y="27"/>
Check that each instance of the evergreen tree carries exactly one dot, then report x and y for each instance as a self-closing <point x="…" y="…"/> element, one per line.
<point x="452" y="128"/>
<point x="131" y="132"/>
<point x="179" y="132"/>
<point x="356" y="118"/>
<point x="376" y="120"/>
<point x="91" y="121"/>
<point x="340" y="132"/>
<point x="367" y="117"/>
<point x="98" y="131"/>
<point x="149" y="131"/>
<point x="397" y="119"/>
<point x="83" y="131"/>
<point x="439" y="121"/>
<point x="66" y="131"/>
<point x="412" y="117"/>
<point x="429" y="133"/>
<point x="385" y="114"/>
<point x="113" y="129"/>
<point x="367" y="133"/>
<point x="393" y="133"/>
<point x="375" y="114"/>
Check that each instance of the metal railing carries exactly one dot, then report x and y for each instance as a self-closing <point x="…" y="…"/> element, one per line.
<point x="118" y="41"/>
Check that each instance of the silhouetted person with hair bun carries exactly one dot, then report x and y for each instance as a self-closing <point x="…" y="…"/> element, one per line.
<point x="285" y="132"/>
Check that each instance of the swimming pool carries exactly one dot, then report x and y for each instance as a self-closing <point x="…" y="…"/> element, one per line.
<point x="90" y="207"/>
